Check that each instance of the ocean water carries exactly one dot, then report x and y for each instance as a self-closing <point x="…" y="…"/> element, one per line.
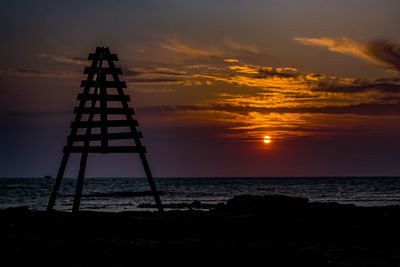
<point x="34" y="192"/>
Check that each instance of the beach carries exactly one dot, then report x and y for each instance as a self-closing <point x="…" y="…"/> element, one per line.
<point x="278" y="230"/>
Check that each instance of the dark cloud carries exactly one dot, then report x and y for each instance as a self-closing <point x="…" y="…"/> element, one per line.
<point x="153" y="80"/>
<point x="38" y="113"/>
<point x="385" y="51"/>
<point x="165" y="109"/>
<point x="358" y="88"/>
<point x="168" y="72"/>
<point x="298" y="95"/>
<point x="36" y="73"/>
<point x="361" y="109"/>
<point x="388" y="80"/>
<point x="146" y="71"/>
<point x="131" y="73"/>
<point x="267" y="73"/>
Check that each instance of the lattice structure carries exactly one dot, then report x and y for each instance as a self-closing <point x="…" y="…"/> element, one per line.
<point x="94" y="130"/>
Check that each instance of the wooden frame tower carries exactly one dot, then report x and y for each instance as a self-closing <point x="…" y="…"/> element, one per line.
<point x="93" y="113"/>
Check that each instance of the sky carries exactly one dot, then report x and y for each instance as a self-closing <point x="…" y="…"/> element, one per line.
<point x="208" y="81"/>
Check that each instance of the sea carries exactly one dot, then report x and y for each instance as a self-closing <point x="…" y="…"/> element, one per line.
<point x="118" y="194"/>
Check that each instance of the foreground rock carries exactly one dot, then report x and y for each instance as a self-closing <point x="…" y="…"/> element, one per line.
<point x="262" y="230"/>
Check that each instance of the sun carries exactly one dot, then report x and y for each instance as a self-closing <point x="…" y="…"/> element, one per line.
<point x="267" y="139"/>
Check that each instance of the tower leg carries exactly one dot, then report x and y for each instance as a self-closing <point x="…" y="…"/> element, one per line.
<point x="57" y="184"/>
<point x="79" y="183"/>
<point x="151" y="182"/>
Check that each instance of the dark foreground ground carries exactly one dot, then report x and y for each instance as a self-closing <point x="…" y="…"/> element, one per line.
<point x="249" y="230"/>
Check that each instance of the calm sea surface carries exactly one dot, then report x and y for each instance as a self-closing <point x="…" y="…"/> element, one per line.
<point x="34" y="192"/>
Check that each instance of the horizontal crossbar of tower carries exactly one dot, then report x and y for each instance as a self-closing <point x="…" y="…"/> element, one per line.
<point x="113" y="111"/>
<point x="94" y="56"/>
<point x="98" y="124"/>
<point x="108" y="136"/>
<point x="104" y="97"/>
<point x="105" y="150"/>
<point x="90" y="70"/>
<point x="105" y="84"/>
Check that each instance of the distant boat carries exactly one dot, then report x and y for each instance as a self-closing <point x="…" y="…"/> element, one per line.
<point x="48" y="177"/>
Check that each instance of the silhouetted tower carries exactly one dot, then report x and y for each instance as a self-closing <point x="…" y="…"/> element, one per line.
<point x="94" y="112"/>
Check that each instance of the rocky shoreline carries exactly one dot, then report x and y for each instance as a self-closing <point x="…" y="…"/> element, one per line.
<point x="278" y="230"/>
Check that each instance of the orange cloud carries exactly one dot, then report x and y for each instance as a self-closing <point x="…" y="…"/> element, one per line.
<point x="380" y="52"/>
<point x="288" y="104"/>
<point x="231" y="60"/>
<point x="68" y="60"/>
<point x="179" y="47"/>
<point x="229" y="49"/>
<point x="240" y="46"/>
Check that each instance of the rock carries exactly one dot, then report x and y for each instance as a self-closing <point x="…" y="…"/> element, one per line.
<point x="261" y="203"/>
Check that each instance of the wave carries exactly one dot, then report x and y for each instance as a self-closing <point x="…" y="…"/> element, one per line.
<point x="120" y="194"/>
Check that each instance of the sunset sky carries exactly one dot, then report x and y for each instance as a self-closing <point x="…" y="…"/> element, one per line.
<point x="208" y="80"/>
